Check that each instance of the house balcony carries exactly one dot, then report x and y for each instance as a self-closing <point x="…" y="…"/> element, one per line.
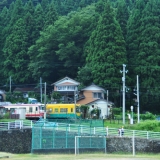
<point x="66" y="88"/>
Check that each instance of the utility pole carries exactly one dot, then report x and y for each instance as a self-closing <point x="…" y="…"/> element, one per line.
<point x="41" y="88"/>
<point x="75" y="101"/>
<point x="45" y="100"/>
<point x="10" y="83"/>
<point x="123" y="81"/>
<point x="138" y="98"/>
<point x="107" y="105"/>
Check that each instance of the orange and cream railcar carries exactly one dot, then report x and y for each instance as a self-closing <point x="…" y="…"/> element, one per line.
<point x="32" y="111"/>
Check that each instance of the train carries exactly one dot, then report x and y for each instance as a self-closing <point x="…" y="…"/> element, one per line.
<point x="63" y="111"/>
<point x="30" y="111"/>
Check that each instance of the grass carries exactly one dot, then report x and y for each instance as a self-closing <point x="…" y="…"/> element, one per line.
<point x="147" y="125"/>
<point x="93" y="156"/>
<point x="116" y="124"/>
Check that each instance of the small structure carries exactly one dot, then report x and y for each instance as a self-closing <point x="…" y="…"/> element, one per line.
<point x="67" y="87"/>
<point x="93" y="96"/>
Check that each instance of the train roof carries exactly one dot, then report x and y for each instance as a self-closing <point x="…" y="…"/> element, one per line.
<point x="22" y="105"/>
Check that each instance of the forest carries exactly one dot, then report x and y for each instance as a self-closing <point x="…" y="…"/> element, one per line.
<point x="86" y="40"/>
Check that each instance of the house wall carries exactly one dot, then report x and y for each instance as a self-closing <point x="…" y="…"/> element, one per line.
<point x="89" y="96"/>
<point x="65" y="82"/>
<point x="102" y="105"/>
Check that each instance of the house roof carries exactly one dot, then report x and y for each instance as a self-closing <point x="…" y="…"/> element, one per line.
<point x="2" y="92"/>
<point x="93" y="86"/>
<point x="109" y="102"/>
<point x="66" y="80"/>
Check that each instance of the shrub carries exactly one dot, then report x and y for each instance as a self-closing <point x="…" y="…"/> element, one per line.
<point x="6" y="116"/>
<point x="147" y="116"/>
<point x="147" y="125"/>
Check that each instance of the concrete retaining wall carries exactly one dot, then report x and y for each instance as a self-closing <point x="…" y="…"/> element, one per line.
<point x="19" y="141"/>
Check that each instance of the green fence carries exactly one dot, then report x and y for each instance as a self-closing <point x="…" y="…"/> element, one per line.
<point x="47" y="135"/>
<point x="88" y="122"/>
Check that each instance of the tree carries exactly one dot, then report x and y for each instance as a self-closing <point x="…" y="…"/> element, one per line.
<point x="122" y="16"/>
<point x="60" y="46"/>
<point x="51" y="15"/>
<point x="84" y="110"/>
<point x="144" y="49"/>
<point x="16" y="59"/>
<point x="39" y="20"/>
<point x="106" y="50"/>
<point x="3" y="23"/>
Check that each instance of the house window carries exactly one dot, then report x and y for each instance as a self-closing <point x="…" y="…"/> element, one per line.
<point x="97" y="95"/>
<point x="59" y="88"/>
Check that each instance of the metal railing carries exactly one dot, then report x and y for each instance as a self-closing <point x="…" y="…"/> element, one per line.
<point x="79" y="129"/>
<point x="100" y="131"/>
<point x="17" y="124"/>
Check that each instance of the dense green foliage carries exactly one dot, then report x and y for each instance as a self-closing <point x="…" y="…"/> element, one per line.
<point x="149" y="125"/>
<point x="87" y="40"/>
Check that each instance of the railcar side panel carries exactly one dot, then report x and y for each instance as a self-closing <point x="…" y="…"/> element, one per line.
<point x="63" y="111"/>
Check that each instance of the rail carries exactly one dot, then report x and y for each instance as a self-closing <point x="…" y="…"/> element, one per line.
<point x="17" y="124"/>
<point x="100" y="131"/>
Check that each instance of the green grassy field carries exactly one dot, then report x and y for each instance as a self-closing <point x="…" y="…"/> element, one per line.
<point x="94" y="156"/>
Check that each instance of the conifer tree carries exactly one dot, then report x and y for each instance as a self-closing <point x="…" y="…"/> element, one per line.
<point x="106" y="50"/>
<point x="16" y="59"/>
<point x="51" y="15"/>
<point x="133" y="34"/>
<point x="39" y="20"/>
<point x="17" y="12"/>
<point x="30" y="23"/>
<point x="3" y="23"/>
<point x="144" y="47"/>
<point x="122" y="16"/>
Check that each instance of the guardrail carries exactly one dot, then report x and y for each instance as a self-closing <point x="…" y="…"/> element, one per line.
<point x="100" y="131"/>
<point x="17" y="124"/>
<point x="79" y="129"/>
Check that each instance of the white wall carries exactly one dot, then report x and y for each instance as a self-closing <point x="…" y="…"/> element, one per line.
<point x="102" y="105"/>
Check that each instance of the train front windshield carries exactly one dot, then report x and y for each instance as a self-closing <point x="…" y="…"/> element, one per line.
<point x="41" y="107"/>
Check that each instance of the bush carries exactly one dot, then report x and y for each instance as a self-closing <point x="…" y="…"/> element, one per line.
<point x="116" y="110"/>
<point x="6" y="116"/>
<point x="148" y="125"/>
<point x="147" y="116"/>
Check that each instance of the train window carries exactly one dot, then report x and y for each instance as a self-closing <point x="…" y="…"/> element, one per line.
<point x="56" y="110"/>
<point x="63" y="109"/>
<point x="36" y="108"/>
<point x="71" y="109"/>
<point x="30" y="109"/>
<point x="41" y="107"/>
<point x="77" y="109"/>
<point x="49" y="110"/>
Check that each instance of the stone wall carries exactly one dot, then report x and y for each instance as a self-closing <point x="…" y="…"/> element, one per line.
<point x="124" y="144"/>
<point x="16" y="141"/>
<point x="19" y="141"/>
